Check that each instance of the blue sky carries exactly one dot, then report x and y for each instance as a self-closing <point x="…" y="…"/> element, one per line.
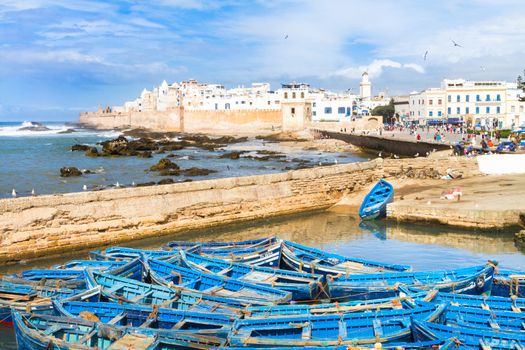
<point x="59" y="57"/>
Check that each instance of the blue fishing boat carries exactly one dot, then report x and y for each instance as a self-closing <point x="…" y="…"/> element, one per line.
<point x="491" y="320"/>
<point x="125" y="290"/>
<point x="74" y="278"/>
<point x="164" y="273"/>
<point x="509" y="283"/>
<point x="306" y="259"/>
<point x="209" y="247"/>
<point x="126" y="254"/>
<point x="303" y="286"/>
<point x="472" y="280"/>
<point x="483" y="302"/>
<point x="374" y="204"/>
<point x="269" y="256"/>
<point x="44" y="332"/>
<point x="146" y="316"/>
<point x="402" y="299"/>
<point x="331" y="330"/>
<point x="23" y="298"/>
<point x="470" y="338"/>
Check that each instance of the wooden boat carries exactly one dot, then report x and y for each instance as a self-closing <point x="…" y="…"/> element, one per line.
<point x="303" y="286"/>
<point x="164" y="273"/>
<point x="331" y="330"/>
<point x="44" y="332"/>
<point x="269" y="256"/>
<point x="492" y="320"/>
<point x="209" y="247"/>
<point x="124" y="290"/>
<point x="472" y="280"/>
<point x="470" y="338"/>
<point x="509" y="283"/>
<point x="74" y="278"/>
<point x="374" y="204"/>
<point x="482" y="302"/>
<point x="146" y="316"/>
<point x="302" y="258"/>
<point x="122" y="253"/>
<point x="21" y="297"/>
<point x="402" y="299"/>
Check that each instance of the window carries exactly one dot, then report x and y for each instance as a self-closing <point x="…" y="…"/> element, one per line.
<point x="439" y="113"/>
<point x="487" y="98"/>
<point x="340" y="110"/>
<point x="430" y="102"/>
<point x="293" y="95"/>
<point x="458" y="98"/>
<point x="467" y="110"/>
<point x="268" y="103"/>
<point x="227" y="106"/>
<point x="478" y="98"/>
<point x="498" y="110"/>
<point x="243" y="102"/>
<point x="430" y="114"/>
<point x="458" y="110"/>
<point x="440" y="102"/>
<point x="314" y="113"/>
<point x="498" y="97"/>
<point x="467" y="98"/>
<point x="285" y="95"/>
<point x="449" y="111"/>
<point x="302" y="94"/>
<point x="293" y="110"/>
<point x="419" y="113"/>
<point x="488" y="110"/>
<point x="348" y="110"/>
<point x="328" y="110"/>
<point x="477" y="110"/>
<point x="513" y="108"/>
<point x="216" y="106"/>
<point x="449" y="98"/>
<point x="313" y="104"/>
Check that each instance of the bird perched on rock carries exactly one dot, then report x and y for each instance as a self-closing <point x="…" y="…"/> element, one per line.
<point x="84" y="187"/>
<point x="416" y="155"/>
<point x="117" y="185"/>
<point x="33" y="193"/>
<point x="133" y="183"/>
<point x="13" y="193"/>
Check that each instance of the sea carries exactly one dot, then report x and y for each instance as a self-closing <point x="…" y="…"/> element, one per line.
<point x="31" y="160"/>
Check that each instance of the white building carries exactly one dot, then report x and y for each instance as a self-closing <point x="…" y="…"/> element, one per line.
<point x="483" y="104"/>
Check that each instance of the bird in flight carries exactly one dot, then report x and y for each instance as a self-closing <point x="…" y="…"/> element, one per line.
<point x="482" y="68"/>
<point x="286" y="36"/>
<point x="455" y="43"/>
<point x="425" y="56"/>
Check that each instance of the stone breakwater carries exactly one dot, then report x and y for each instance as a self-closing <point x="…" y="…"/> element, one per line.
<point x="37" y="226"/>
<point x="31" y="227"/>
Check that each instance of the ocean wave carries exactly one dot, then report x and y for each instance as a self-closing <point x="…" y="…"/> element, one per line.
<point x="36" y="129"/>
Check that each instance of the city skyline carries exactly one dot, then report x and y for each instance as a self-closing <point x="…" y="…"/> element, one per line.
<point x="60" y="57"/>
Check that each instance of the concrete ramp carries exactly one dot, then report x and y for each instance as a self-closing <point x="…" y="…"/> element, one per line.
<point x="499" y="164"/>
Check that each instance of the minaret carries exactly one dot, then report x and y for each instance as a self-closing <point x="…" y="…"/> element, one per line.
<point x="365" y="87"/>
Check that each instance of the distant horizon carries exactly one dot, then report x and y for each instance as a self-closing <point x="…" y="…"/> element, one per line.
<point x="62" y="57"/>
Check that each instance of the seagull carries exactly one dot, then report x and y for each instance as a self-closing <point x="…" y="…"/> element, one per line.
<point x="396" y="156"/>
<point x="133" y="183"/>
<point x="380" y="154"/>
<point x="455" y="43"/>
<point x="13" y="193"/>
<point x="335" y="161"/>
<point x="416" y="155"/>
<point x="425" y="55"/>
<point x="482" y="68"/>
<point x="117" y="185"/>
<point x="33" y="193"/>
<point x="428" y="153"/>
<point x="84" y="187"/>
<point x="286" y="36"/>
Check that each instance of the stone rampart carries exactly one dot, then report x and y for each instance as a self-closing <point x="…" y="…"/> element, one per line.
<point x="38" y="226"/>
<point x="252" y="120"/>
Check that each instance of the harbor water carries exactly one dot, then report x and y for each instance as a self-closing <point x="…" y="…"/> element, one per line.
<point x="425" y="247"/>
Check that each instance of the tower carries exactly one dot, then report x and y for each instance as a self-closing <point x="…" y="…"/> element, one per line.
<point x="365" y="87"/>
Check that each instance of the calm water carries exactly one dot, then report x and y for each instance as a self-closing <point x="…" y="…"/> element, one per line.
<point x="31" y="159"/>
<point x="423" y="247"/>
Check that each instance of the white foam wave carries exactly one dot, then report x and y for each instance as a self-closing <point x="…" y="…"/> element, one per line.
<point x="23" y="129"/>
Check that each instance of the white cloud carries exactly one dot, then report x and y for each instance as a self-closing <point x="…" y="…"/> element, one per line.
<point x="57" y="56"/>
<point x="376" y="68"/>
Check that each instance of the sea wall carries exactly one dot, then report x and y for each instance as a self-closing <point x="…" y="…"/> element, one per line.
<point x="31" y="227"/>
<point x="429" y="167"/>
<point x="165" y="121"/>
<point x="246" y="121"/>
